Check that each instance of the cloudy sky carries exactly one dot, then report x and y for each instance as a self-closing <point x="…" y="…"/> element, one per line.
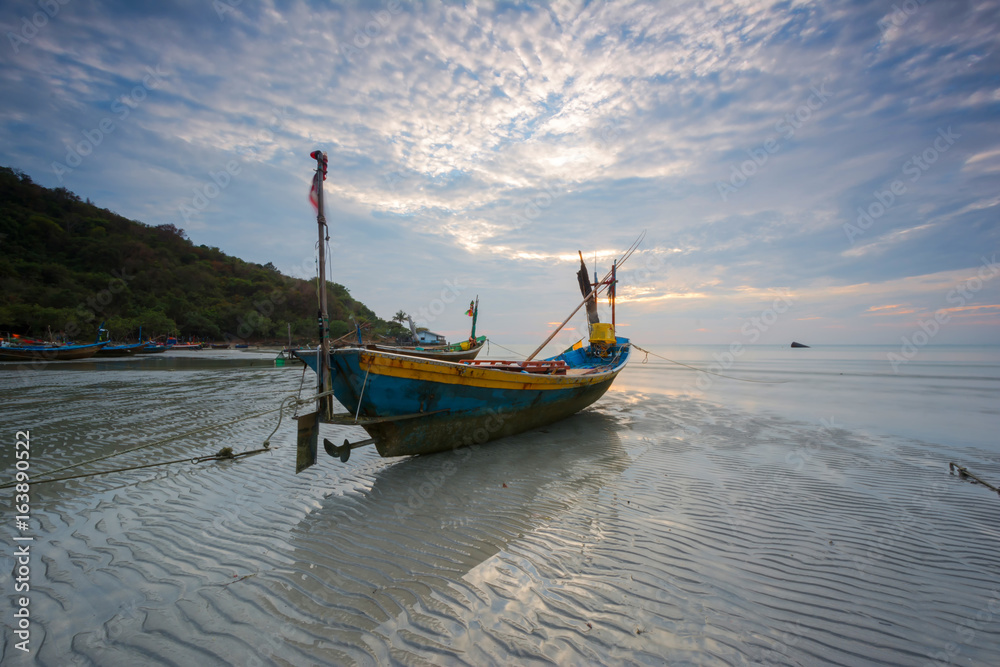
<point x="827" y="172"/>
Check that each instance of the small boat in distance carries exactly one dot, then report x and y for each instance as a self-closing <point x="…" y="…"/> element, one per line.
<point x="48" y="353"/>
<point x="467" y="349"/>
<point x="455" y="352"/>
<point x="110" y="350"/>
<point x="175" y="344"/>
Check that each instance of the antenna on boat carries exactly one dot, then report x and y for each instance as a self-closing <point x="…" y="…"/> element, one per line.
<point x="323" y="363"/>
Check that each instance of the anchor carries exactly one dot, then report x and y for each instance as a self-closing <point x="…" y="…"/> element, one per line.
<point x="343" y="452"/>
<point x="308" y="438"/>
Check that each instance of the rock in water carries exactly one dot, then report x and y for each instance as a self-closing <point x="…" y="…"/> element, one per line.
<point x="794" y="344"/>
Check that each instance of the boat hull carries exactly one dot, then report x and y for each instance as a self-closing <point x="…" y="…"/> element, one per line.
<point x="119" y="350"/>
<point x="419" y="406"/>
<point x="495" y="419"/>
<point x="64" y="353"/>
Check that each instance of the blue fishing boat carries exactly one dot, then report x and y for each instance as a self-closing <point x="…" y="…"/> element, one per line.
<point x="109" y="350"/>
<point x="410" y="405"/>
<point x="120" y="350"/>
<point x="48" y="353"/>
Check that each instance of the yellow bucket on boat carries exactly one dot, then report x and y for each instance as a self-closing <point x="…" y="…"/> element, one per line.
<point x="602" y="332"/>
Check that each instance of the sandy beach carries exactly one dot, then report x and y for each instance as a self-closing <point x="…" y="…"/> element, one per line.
<point x="769" y="524"/>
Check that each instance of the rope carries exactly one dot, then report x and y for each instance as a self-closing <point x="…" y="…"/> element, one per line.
<point x="302" y="381"/>
<point x="221" y="456"/>
<point x="166" y="440"/>
<point x="281" y="414"/>
<point x="702" y="370"/>
<point x="502" y="348"/>
<point x="225" y="453"/>
<point x="295" y="402"/>
<point x="371" y="363"/>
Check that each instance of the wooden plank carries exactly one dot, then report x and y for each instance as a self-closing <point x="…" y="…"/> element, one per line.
<point x="307" y="442"/>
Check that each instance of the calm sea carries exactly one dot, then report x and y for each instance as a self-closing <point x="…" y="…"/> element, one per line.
<point x="948" y="395"/>
<point x="799" y="511"/>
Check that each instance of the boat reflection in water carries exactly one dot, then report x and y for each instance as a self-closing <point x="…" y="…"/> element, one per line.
<point x="365" y="564"/>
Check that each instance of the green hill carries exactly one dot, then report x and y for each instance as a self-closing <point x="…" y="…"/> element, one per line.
<point x="67" y="265"/>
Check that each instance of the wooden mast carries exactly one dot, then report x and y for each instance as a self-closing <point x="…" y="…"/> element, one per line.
<point x="614" y="292"/>
<point x="325" y="383"/>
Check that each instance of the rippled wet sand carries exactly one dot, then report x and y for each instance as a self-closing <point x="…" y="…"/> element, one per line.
<point x="649" y="529"/>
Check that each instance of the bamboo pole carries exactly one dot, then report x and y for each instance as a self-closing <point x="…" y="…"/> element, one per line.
<point x="325" y="383"/>
<point x="593" y="293"/>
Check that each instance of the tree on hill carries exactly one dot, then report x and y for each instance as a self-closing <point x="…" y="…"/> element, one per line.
<point x="68" y="265"/>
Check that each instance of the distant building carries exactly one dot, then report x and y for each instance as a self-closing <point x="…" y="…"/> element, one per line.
<point x="430" y="338"/>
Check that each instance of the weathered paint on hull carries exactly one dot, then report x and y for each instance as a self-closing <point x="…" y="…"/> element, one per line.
<point x="447" y="431"/>
<point x="465" y="405"/>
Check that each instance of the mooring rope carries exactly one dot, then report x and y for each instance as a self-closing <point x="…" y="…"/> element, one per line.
<point x="289" y="401"/>
<point x="222" y="455"/>
<point x="490" y="340"/>
<point x="371" y="362"/>
<point x="702" y="370"/>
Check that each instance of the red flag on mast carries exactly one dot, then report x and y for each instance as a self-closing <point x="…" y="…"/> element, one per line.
<point x="314" y="191"/>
